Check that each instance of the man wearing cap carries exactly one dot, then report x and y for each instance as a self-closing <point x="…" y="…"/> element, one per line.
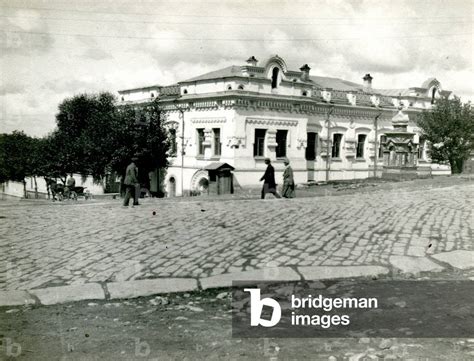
<point x="288" y="181"/>
<point x="269" y="185"/>
<point x="130" y="181"/>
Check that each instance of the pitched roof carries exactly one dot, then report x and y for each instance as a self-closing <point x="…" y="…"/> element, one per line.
<point x="393" y="92"/>
<point x="232" y="70"/>
<point x="321" y="82"/>
<point x="336" y="83"/>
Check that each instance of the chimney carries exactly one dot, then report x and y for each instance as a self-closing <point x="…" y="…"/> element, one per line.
<point x="367" y="81"/>
<point x="252" y="61"/>
<point x="305" y="69"/>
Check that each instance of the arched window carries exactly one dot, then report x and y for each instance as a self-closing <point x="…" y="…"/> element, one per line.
<point x="275" y="77"/>
<point x="185" y="91"/>
<point x="433" y="93"/>
<point x="229" y="87"/>
<point x="304" y="93"/>
<point x="241" y="87"/>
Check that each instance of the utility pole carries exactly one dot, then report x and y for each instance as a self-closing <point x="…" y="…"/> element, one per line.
<point x="376" y="126"/>
<point x="328" y="140"/>
<point x="181" y="116"/>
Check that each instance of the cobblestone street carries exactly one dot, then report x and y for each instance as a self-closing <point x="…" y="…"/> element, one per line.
<point x="52" y="244"/>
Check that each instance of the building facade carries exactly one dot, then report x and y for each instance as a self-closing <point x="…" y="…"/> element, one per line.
<point x="329" y="128"/>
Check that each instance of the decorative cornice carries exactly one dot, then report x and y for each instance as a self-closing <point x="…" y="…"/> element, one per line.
<point x="208" y="120"/>
<point x="275" y="122"/>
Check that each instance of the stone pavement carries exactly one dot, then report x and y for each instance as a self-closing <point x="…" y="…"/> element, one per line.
<point x="210" y="243"/>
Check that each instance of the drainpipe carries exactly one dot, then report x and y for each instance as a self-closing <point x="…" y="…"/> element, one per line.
<point x="328" y="140"/>
<point x="376" y="125"/>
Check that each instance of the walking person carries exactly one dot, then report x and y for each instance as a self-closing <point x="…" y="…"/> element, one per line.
<point x="288" y="181"/>
<point x="268" y="178"/>
<point x="130" y="182"/>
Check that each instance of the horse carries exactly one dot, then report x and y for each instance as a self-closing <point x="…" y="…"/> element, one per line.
<point x="56" y="188"/>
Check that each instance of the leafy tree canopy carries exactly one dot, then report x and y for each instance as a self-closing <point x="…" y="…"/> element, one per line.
<point x="17" y="156"/>
<point x="95" y="136"/>
<point x="449" y="127"/>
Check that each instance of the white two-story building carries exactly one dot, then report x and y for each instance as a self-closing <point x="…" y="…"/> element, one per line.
<point x="329" y="128"/>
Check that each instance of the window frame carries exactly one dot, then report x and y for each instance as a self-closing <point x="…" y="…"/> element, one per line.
<point x="216" y="145"/>
<point x="334" y="154"/>
<point x="200" y="141"/>
<point x="314" y="148"/>
<point x="360" y="146"/>
<point x="280" y="150"/>
<point x="259" y="140"/>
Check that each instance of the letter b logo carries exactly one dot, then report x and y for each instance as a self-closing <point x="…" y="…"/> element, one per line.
<point x="256" y="307"/>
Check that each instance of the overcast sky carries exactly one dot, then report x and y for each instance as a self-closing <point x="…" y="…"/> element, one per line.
<point x="51" y="50"/>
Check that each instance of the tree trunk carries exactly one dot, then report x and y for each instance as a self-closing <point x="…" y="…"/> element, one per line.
<point x="456" y="165"/>
<point x="36" y="187"/>
<point x="25" y="195"/>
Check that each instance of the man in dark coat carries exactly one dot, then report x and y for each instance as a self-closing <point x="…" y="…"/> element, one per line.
<point x="130" y="182"/>
<point x="269" y="185"/>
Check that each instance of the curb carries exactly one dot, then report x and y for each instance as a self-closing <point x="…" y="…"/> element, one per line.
<point x="142" y="288"/>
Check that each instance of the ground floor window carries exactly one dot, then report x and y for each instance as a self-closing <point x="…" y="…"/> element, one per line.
<point x="200" y="141"/>
<point x="360" y="145"/>
<point x="217" y="141"/>
<point x="281" y="136"/>
<point x="259" y="145"/>
<point x="311" y="145"/>
<point x="336" y="145"/>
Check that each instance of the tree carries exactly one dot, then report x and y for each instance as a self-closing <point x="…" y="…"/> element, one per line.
<point x="96" y="136"/>
<point x="17" y="157"/>
<point x="85" y="140"/>
<point x="449" y="127"/>
<point x="139" y="132"/>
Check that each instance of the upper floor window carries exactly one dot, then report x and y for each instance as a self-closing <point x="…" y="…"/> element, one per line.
<point x="275" y="72"/>
<point x="173" y="144"/>
<point x="281" y="136"/>
<point x="311" y="145"/>
<point x="304" y="93"/>
<point x="216" y="132"/>
<point x="241" y="87"/>
<point x="360" y="145"/>
<point x="336" y="145"/>
<point x="185" y="91"/>
<point x="200" y="141"/>
<point x="259" y="145"/>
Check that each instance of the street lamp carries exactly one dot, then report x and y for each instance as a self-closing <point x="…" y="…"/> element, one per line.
<point x="328" y="139"/>
<point x="376" y="120"/>
<point x="181" y="115"/>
